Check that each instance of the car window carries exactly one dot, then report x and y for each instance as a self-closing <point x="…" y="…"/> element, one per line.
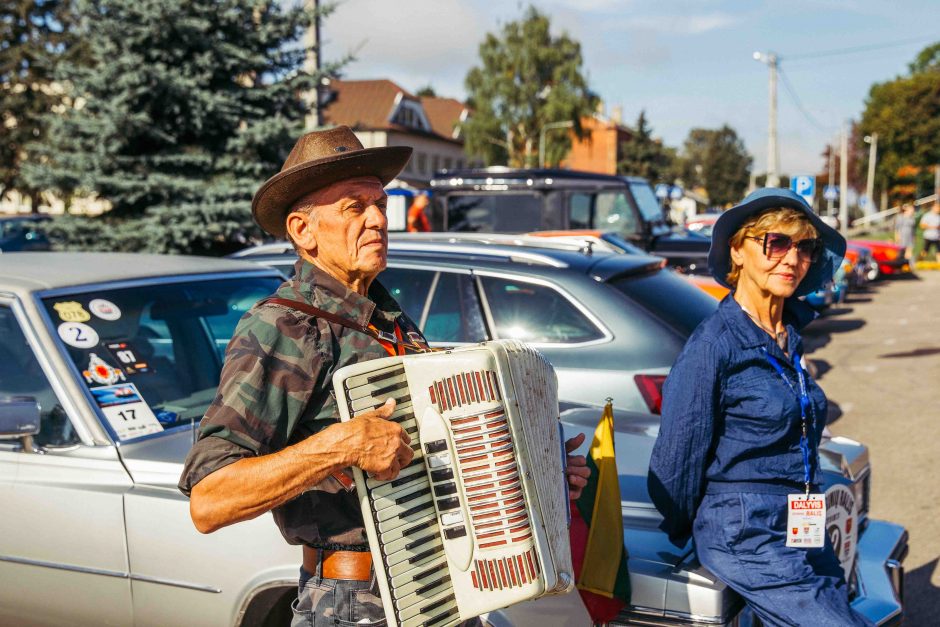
<point x="646" y="201"/>
<point x="668" y="297"/>
<point x="410" y="288"/>
<point x="21" y="376"/>
<point x="612" y="211"/>
<point x="151" y="355"/>
<point x="454" y="315"/>
<point x="580" y="211"/>
<point x="505" y="212"/>
<point x="535" y="313"/>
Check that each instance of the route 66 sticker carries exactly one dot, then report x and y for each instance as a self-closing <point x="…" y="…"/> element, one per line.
<point x="78" y="334"/>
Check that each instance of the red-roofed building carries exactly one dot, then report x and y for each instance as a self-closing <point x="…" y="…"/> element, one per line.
<point x="384" y="114"/>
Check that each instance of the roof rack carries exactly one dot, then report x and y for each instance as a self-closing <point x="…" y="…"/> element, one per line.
<point x="576" y="244"/>
<point x="444" y="246"/>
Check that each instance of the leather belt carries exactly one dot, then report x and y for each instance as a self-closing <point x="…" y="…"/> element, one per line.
<point x="349" y="565"/>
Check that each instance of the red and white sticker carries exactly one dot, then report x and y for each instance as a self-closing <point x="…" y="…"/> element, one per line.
<point x="105" y="309"/>
<point x="101" y="372"/>
<point x="806" y="521"/>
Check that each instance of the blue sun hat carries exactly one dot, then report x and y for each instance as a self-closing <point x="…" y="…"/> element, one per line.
<point x="822" y="270"/>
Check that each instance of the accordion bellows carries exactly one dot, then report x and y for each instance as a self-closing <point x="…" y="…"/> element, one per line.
<point x="479" y="519"/>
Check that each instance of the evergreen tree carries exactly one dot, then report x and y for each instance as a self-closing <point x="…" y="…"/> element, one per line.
<point x="528" y="78"/>
<point x="717" y="160"/>
<point x="183" y="110"/>
<point x="34" y="36"/>
<point x="646" y="156"/>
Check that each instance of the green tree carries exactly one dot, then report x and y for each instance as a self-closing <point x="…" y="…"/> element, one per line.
<point x="527" y="78"/>
<point x="717" y="160"/>
<point x="645" y="156"/>
<point x="35" y="36"/>
<point x="183" y="110"/>
<point x="905" y="112"/>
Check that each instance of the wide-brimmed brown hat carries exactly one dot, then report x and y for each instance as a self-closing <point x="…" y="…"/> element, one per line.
<point x="318" y="159"/>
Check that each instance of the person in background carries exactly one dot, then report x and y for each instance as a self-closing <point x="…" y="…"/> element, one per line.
<point x="904" y="227"/>
<point x="930" y="222"/>
<point x="742" y="420"/>
<point x="417" y="220"/>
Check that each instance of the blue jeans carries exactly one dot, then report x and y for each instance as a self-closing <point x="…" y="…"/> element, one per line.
<point x="741" y="538"/>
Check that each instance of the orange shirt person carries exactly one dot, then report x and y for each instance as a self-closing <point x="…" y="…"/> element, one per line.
<point x="417" y="220"/>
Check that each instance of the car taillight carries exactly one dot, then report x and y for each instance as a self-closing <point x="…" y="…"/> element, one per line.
<point x="891" y="254"/>
<point x="651" y="388"/>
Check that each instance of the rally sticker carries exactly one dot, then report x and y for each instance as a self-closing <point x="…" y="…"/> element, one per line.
<point x="127" y="357"/>
<point x="842" y="524"/>
<point x="78" y="334"/>
<point x="71" y="311"/>
<point x="126" y="411"/>
<point x="806" y="521"/>
<point x="101" y="372"/>
<point x="105" y="309"/>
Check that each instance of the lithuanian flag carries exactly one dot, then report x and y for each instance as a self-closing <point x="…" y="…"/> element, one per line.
<point x="597" y="550"/>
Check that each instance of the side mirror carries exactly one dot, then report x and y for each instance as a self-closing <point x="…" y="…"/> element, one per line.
<point x="19" y="419"/>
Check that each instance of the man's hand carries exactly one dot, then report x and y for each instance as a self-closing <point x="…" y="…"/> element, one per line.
<point x="377" y="445"/>
<point x="578" y="472"/>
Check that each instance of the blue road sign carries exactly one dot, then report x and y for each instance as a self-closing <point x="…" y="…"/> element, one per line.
<point x="662" y="191"/>
<point x="831" y="192"/>
<point x="805" y="186"/>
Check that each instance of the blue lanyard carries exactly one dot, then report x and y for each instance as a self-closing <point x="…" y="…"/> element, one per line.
<point x="806" y="406"/>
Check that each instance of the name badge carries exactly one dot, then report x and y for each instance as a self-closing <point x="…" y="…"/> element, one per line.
<point x="806" y="521"/>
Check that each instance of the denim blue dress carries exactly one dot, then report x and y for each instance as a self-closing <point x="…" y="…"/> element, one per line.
<point x="727" y="456"/>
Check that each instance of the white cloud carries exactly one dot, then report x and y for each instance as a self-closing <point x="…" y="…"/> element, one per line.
<point x="680" y="24"/>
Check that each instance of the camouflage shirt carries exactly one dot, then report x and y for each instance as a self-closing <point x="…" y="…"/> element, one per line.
<point x="276" y="390"/>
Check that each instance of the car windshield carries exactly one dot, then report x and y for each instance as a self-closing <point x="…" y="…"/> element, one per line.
<point x="151" y="355"/>
<point x="646" y="201"/>
<point x="505" y="212"/>
<point x="668" y="297"/>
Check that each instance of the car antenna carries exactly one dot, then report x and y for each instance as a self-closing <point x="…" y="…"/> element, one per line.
<point x="588" y="248"/>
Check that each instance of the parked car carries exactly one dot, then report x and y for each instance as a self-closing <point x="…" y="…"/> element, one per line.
<point x="510" y="200"/>
<point x="109" y="361"/>
<point x="21" y="232"/>
<point x="888" y="256"/>
<point x="702" y="223"/>
<point x="862" y="265"/>
<point x="612" y="324"/>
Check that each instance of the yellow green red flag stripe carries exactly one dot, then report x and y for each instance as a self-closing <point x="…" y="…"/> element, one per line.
<point x="597" y="530"/>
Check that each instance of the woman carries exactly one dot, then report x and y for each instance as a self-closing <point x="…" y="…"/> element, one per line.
<point x="904" y="227"/>
<point x="731" y="448"/>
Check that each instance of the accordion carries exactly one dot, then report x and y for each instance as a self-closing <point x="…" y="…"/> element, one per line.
<point x="479" y="519"/>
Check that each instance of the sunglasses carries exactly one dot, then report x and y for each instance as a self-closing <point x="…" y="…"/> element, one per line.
<point x="777" y="245"/>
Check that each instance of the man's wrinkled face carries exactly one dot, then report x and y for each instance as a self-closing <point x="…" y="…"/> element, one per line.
<point x="346" y="230"/>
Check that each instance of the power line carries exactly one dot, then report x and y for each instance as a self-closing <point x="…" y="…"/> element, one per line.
<point x="799" y="104"/>
<point x="854" y="49"/>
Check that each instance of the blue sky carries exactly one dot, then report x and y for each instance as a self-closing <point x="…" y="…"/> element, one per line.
<point x="688" y="63"/>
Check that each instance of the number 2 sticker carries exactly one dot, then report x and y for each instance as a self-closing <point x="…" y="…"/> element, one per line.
<point x="78" y="334"/>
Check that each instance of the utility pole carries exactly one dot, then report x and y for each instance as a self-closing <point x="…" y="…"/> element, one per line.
<point x="548" y="127"/>
<point x="314" y="118"/>
<point x="772" y="61"/>
<point x="830" y="208"/>
<point x="844" y="180"/>
<point x="870" y="185"/>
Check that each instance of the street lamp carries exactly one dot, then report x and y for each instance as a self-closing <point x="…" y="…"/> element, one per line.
<point x="772" y="61"/>
<point x="870" y="186"/>
<point x="548" y="127"/>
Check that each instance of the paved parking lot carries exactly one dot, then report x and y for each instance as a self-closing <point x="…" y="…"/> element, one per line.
<point x="878" y="357"/>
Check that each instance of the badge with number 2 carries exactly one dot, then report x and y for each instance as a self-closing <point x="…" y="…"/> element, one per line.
<point x="806" y="521"/>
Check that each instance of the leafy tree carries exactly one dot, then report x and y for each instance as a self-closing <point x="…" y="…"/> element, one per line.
<point x="187" y="107"/>
<point x="528" y="78"/>
<point x="645" y="156"/>
<point x="426" y="92"/>
<point x="717" y="160"/>
<point x="905" y="112"/>
<point x="34" y="36"/>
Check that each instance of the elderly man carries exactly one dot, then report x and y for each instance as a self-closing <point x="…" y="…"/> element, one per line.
<point x="271" y="441"/>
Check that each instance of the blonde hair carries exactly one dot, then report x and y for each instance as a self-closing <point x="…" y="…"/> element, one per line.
<point x="791" y="220"/>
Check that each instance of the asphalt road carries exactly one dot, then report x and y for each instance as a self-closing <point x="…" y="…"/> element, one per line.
<point x="878" y="360"/>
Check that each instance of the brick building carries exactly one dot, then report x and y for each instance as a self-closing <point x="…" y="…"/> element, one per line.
<point x="599" y="151"/>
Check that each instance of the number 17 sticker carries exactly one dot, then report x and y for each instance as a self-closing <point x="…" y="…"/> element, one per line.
<point x="126" y="411"/>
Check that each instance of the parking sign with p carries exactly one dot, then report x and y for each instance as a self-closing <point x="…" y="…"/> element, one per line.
<point x="805" y="186"/>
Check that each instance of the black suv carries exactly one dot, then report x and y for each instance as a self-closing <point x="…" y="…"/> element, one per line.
<point x="19" y="233"/>
<point x="508" y="200"/>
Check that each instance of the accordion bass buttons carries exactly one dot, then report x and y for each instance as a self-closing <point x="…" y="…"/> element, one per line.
<point x="435" y="439"/>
